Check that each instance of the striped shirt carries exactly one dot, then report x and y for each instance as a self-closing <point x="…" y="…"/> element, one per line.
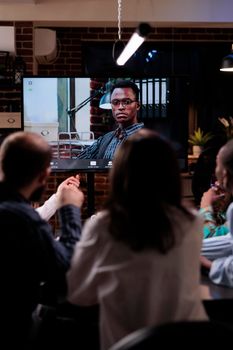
<point x="105" y="146"/>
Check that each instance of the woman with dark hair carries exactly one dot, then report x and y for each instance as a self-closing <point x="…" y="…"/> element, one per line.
<point x="220" y="270"/>
<point x="139" y="258"/>
<point x="205" y="167"/>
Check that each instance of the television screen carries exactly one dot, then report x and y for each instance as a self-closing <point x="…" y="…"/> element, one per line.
<point x="68" y="113"/>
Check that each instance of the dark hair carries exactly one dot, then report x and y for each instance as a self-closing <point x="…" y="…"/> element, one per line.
<point x="204" y="169"/>
<point x="126" y="84"/>
<point x="23" y="155"/>
<point x="203" y="172"/>
<point x="227" y="156"/>
<point x="145" y="170"/>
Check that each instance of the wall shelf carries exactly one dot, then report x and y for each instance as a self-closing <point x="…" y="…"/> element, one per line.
<point x="10" y="120"/>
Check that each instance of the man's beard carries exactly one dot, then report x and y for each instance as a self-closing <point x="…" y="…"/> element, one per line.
<point x="37" y="194"/>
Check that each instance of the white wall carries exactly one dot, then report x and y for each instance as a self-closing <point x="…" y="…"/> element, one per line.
<point x="40" y="100"/>
<point x="104" y="12"/>
<point x="82" y="117"/>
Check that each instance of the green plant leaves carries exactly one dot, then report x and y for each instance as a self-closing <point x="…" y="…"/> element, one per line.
<point x="199" y="138"/>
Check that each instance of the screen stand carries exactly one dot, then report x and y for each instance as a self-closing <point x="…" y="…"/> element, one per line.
<point x="90" y="193"/>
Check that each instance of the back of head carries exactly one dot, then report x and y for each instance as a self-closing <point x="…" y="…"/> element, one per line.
<point x="203" y="172"/>
<point x="146" y="165"/>
<point x="121" y="84"/>
<point x="23" y="155"/>
<point x="145" y="170"/>
<point x="204" y="168"/>
<point x="227" y="156"/>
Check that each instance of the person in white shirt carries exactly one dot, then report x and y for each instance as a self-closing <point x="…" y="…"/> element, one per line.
<point x="139" y="258"/>
<point x="49" y="208"/>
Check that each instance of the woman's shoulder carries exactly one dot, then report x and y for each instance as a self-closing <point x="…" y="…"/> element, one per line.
<point x="187" y="219"/>
<point x="97" y="222"/>
<point x="187" y="211"/>
<point x="100" y="216"/>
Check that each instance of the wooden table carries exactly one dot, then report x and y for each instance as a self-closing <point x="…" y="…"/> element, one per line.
<point x="210" y="290"/>
<point x="217" y="300"/>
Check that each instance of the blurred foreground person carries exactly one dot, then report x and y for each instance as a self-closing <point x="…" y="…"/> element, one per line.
<point x="32" y="256"/>
<point x="140" y="261"/>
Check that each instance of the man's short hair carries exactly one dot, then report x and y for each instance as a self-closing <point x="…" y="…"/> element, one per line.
<point x="23" y="156"/>
<point x="126" y="84"/>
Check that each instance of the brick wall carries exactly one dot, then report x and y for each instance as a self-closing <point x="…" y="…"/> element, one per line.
<point x="70" y="63"/>
<point x="70" y="43"/>
<point x="24" y="43"/>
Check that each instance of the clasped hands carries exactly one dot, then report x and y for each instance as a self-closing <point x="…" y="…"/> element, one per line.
<point x="68" y="192"/>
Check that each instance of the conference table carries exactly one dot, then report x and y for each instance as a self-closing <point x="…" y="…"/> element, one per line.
<point x="210" y="290"/>
<point x="217" y="300"/>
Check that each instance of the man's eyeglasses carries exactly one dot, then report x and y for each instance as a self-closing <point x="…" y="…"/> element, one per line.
<point x="124" y="102"/>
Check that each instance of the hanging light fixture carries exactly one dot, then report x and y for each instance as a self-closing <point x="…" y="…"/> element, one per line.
<point x="118" y="45"/>
<point x="125" y="52"/>
<point x="136" y="40"/>
<point x="227" y="62"/>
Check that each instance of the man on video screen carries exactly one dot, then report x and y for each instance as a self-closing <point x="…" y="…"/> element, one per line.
<point x="125" y="105"/>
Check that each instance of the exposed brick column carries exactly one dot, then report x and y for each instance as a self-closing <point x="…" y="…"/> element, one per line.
<point x="24" y="43"/>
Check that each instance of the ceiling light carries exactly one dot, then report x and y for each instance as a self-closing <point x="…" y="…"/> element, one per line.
<point x="134" y="43"/>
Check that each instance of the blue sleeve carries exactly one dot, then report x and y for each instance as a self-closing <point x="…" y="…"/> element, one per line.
<point x="70" y="222"/>
<point x="58" y="252"/>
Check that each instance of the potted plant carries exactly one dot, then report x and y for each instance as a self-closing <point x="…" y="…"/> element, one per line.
<point x="198" y="139"/>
